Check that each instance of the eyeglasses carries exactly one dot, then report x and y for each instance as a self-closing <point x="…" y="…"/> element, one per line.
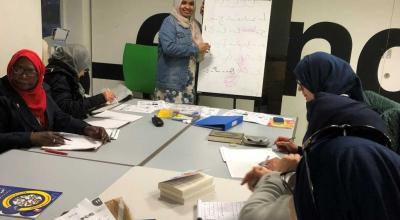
<point x="18" y="70"/>
<point x="332" y="131"/>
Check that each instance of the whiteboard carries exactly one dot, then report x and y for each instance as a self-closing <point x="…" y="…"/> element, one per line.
<point x="238" y="33"/>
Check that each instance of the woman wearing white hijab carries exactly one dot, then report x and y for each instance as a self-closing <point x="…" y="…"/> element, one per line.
<point x="180" y="47"/>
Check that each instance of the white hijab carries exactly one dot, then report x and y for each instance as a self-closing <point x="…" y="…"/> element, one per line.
<point x="187" y="23"/>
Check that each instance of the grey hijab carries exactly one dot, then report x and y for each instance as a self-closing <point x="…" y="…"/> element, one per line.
<point x="75" y="55"/>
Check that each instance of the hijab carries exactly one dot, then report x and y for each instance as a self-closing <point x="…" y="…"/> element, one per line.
<point x="352" y="177"/>
<point x="187" y="23"/>
<point x="75" y="56"/>
<point x="35" y="98"/>
<point x="323" y="72"/>
<point x="328" y="109"/>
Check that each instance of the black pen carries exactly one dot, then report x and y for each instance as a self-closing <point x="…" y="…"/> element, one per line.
<point x="66" y="138"/>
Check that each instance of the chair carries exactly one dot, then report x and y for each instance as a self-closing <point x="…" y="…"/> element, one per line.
<point x="389" y="111"/>
<point x="139" y="68"/>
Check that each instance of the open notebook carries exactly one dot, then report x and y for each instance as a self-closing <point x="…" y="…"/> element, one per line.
<point x="76" y="142"/>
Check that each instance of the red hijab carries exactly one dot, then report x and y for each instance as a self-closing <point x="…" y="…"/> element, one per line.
<point x="35" y="98"/>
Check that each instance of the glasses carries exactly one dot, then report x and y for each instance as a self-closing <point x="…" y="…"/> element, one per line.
<point x="18" y="70"/>
<point x="332" y="131"/>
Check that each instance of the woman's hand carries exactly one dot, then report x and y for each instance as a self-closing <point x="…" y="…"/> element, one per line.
<point x="109" y="95"/>
<point x="286" y="144"/>
<point x="253" y="176"/>
<point x="46" y="138"/>
<point x="204" y="47"/>
<point x="98" y="133"/>
<point x="285" y="164"/>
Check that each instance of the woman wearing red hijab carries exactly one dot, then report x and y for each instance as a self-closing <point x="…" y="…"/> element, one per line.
<point x="28" y="116"/>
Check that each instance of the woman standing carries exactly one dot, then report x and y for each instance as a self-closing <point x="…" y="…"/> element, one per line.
<point x="180" y="47"/>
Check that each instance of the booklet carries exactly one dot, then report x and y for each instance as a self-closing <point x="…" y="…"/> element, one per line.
<point x="24" y="202"/>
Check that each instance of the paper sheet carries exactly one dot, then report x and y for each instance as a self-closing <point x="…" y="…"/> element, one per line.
<point x="218" y="210"/>
<point x="76" y="142"/>
<point x="135" y="108"/>
<point x="106" y="122"/>
<point x="121" y="92"/>
<point x="155" y="104"/>
<point x="240" y="161"/>
<point x="255" y="117"/>
<point x="118" y="116"/>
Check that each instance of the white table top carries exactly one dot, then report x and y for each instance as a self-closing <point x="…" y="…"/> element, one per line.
<point x="139" y="189"/>
<point x="75" y="178"/>
<point x="136" y="142"/>
<point x="191" y="150"/>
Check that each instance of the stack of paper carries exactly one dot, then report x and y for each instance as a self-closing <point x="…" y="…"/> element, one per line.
<point x="241" y="160"/>
<point x="186" y="187"/>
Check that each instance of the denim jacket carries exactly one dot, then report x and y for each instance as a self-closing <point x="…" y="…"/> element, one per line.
<point x="174" y="51"/>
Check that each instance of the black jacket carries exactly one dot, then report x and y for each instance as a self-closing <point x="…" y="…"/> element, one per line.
<point x="64" y="83"/>
<point x="17" y="122"/>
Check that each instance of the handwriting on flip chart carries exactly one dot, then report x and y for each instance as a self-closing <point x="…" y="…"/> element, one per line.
<point x="238" y="33"/>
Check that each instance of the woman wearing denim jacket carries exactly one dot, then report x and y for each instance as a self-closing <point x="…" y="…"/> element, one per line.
<point x="180" y="47"/>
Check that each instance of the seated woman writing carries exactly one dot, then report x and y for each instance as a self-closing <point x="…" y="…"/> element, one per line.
<point x="30" y="117"/>
<point x="66" y="66"/>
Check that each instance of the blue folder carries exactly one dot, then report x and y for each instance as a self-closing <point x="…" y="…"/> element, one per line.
<point x="220" y="122"/>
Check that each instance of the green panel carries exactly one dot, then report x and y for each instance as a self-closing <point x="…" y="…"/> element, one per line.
<point x="140" y="67"/>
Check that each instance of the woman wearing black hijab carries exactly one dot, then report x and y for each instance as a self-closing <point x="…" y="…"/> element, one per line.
<point x="271" y="193"/>
<point x="323" y="72"/>
<point x="347" y="172"/>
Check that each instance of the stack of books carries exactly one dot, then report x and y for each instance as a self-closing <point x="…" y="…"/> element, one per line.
<point x="225" y="137"/>
<point x="188" y="186"/>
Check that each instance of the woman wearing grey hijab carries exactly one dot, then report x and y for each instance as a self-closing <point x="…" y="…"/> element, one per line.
<point x="66" y="65"/>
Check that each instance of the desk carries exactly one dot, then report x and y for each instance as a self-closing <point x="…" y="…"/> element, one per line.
<point x="139" y="188"/>
<point x="77" y="179"/>
<point x="137" y="142"/>
<point x="191" y="150"/>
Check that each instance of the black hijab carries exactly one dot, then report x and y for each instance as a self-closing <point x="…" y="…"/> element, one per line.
<point x="323" y="72"/>
<point x="328" y="109"/>
<point x="352" y="177"/>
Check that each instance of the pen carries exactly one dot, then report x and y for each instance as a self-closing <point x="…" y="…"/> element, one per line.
<point x="66" y="138"/>
<point x="264" y="163"/>
<point x="56" y="152"/>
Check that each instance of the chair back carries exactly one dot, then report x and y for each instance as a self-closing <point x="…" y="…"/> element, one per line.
<point x="140" y="67"/>
<point x="389" y="111"/>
